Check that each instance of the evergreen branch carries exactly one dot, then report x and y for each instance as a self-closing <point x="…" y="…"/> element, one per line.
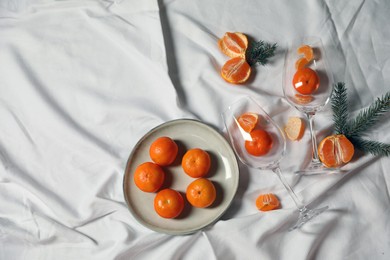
<point x="354" y="129"/>
<point x="372" y="147"/>
<point x="259" y="52"/>
<point x="368" y="117"/>
<point x="340" y="108"/>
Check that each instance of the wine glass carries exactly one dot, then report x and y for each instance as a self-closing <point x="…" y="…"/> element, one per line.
<point x="309" y="103"/>
<point x="271" y="159"/>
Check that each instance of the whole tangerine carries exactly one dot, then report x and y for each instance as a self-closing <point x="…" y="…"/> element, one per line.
<point x="201" y="193"/>
<point x="260" y="143"/>
<point x="168" y="203"/>
<point x="163" y="151"/>
<point x="149" y="177"/>
<point x="306" y="81"/>
<point x="196" y="162"/>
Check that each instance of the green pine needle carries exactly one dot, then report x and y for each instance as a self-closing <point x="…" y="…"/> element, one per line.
<point x="370" y="116"/>
<point x="372" y="147"/>
<point x="340" y="108"/>
<point x="357" y="127"/>
<point x="260" y="52"/>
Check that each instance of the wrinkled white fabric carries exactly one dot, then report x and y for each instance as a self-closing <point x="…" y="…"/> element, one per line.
<point x="82" y="81"/>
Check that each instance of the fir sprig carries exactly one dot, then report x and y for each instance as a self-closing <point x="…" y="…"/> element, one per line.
<point x="356" y="128"/>
<point x="340" y="108"/>
<point x="370" y="116"/>
<point x="260" y="52"/>
<point x="372" y="147"/>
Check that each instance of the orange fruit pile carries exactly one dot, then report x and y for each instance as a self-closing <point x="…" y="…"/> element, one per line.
<point x="305" y="80"/>
<point x="150" y="177"/>
<point x="234" y="45"/>
<point x="335" y="150"/>
<point x="260" y="141"/>
<point x="259" y="144"/>
<point x="201" y="192"/>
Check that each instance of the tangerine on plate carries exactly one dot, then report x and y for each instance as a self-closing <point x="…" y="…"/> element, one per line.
<point x="168" y="203"/>
<point x="260" y="143"/>
<point x="149" y="177"/>
<point x="236" y="70"/>
<point x="233" y="44"/>
<point x="294" y="128"/>
<point x="163" y="151"/>
<point x="248" y="121"/>
<point x="201" y="193"/>
<point x="307" y="52"/>
<point x="266" y="202"/>
<point x="306" y="81"/>
<point x="335" y="150"/>
<point x="196" y="162"/>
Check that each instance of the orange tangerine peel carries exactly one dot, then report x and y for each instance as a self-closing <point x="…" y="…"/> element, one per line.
<point x="294" y="128"/>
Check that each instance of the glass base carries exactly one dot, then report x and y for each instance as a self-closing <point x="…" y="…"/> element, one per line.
<point x="317" y="168"/>
<point x="305" y="215"/>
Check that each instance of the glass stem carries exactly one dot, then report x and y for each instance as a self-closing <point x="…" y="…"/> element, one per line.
<point x="315" y="159"/>
<point x="291" y="192"/>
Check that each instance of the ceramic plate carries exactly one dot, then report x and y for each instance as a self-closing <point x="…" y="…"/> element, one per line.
<point x="223" y="173"/>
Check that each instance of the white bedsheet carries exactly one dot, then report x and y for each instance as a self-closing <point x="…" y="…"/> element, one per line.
<point x="82" y="81"/>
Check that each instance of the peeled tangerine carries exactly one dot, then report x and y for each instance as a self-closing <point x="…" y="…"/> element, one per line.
<point x="236" y="70"/>
<point x="233" y="44"/>
<point x="335" y="150"/>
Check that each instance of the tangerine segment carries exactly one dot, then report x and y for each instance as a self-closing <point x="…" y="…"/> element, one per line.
<point x="307" y="52"/>
<point x="335" y="150"/>
<point x="294" y="128"/>
<point x="345" y="148"/>
<point x="196" y="163"/>
<point x="248" y="121"/>
<point x="233" y="44"/>
<point x="301" y="63"/>
<point x="201" y="193"/>
<point x="266" y="202"/>
<point x="306" y="81"/>
<point x="168" y="203"/>
<point x="260" y="143"/>
<point x="163" y="151"/>
<point x="149" y="177"/>
<point x="303" y="99"/>
<point x="236" y="70"/>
